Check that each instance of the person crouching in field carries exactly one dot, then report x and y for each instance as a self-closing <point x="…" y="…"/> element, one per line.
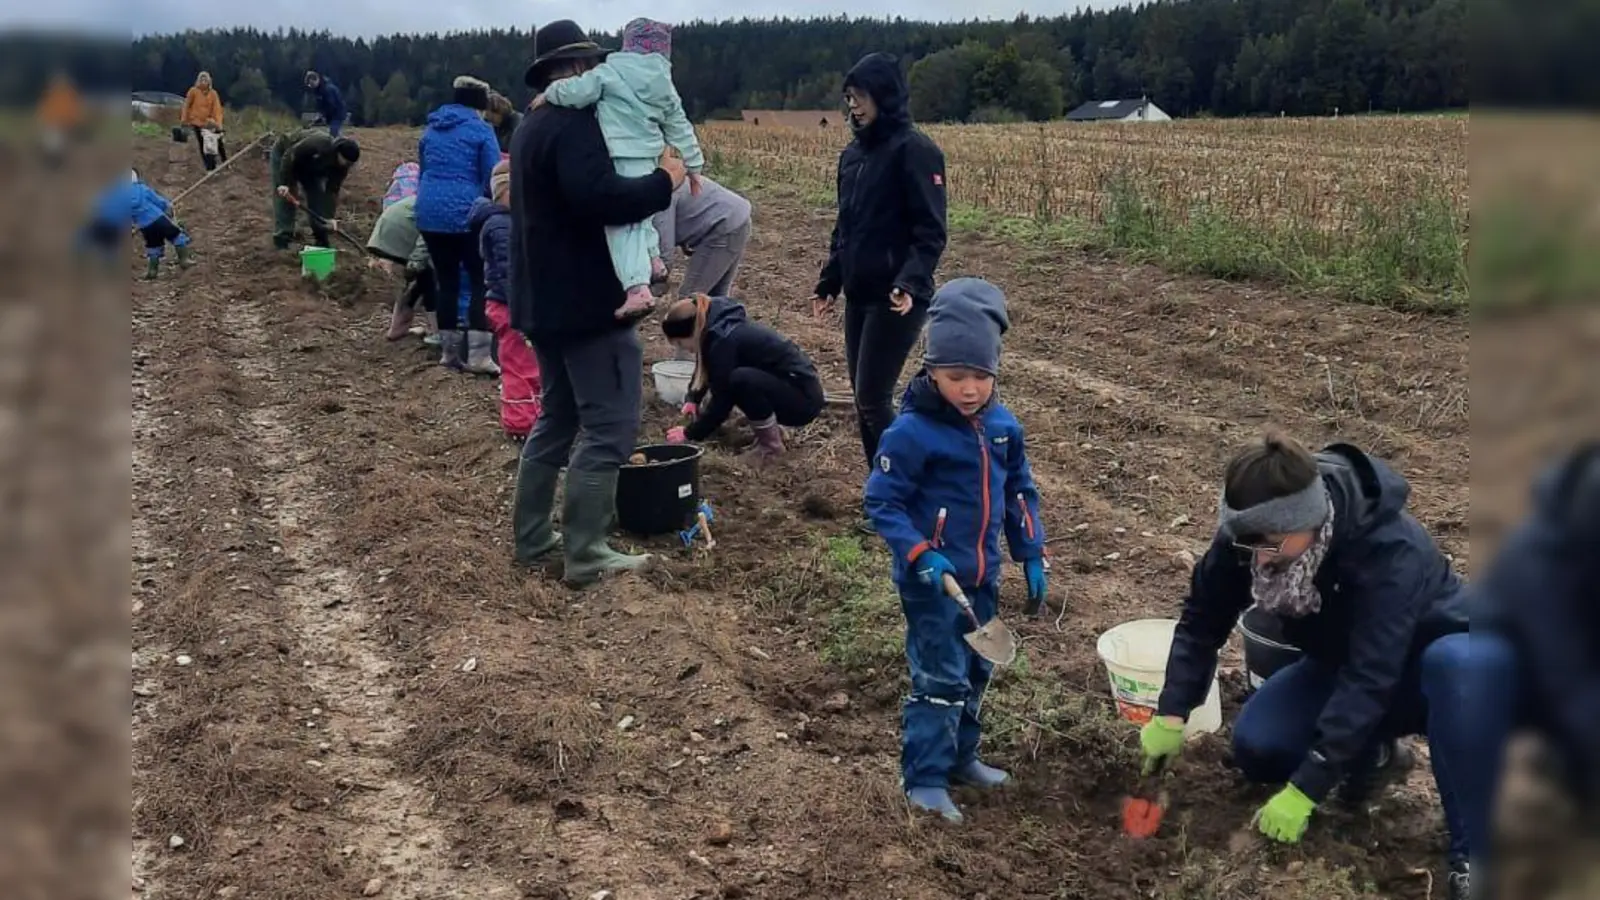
<point x="136" y="202"/>
<point x="395" y="241"/>
<point x="309" y="166"/>
<point x="519" y="368"/>
<point x="743" y="364"/>
<point x="950" y="474"/>
<point x="1323" y="543"/>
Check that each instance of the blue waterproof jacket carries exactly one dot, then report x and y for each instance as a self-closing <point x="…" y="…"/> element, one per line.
<point x="457" y="154"/>
<point x="1387" y="592"/>
<point x="330" y="104"/>
<point x="132" y="201"/>
<point x="976" y="470"/>
<point x="492" y="222"/>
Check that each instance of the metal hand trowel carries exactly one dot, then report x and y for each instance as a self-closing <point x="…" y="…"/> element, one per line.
<point x="991" y="640"/>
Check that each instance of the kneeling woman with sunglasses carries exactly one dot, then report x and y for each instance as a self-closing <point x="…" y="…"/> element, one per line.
<point x="1323" y="542"/>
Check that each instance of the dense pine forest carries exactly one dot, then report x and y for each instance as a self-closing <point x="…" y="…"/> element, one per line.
<point x="1222" y="57"/>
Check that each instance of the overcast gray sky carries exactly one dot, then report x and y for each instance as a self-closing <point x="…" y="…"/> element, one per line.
<point x="373" y="17"/>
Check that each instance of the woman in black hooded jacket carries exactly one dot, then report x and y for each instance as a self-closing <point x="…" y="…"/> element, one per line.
<point x="887" y="239"/>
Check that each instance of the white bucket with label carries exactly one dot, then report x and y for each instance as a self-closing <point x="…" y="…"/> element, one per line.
<point x="672" y="380"/>
<point x="1135" y="657"/>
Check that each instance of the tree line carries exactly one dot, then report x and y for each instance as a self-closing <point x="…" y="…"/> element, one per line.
<point x="1191" y="57"/>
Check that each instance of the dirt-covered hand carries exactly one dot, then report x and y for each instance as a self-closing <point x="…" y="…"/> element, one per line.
<point x="283" y="190"/>
<point x="1160" y="741"/>
<point x="1286" y="815"/>
<point x="821" y="306"/>
<point x="675" y="435"/>
<point x="690" y="410"/>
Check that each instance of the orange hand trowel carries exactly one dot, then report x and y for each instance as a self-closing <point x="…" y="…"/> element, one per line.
<point x="1141" y="815"/>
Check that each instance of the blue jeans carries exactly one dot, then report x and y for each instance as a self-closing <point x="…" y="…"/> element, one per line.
<point x="1438" y="697"/>
<point x="939" y="721"/>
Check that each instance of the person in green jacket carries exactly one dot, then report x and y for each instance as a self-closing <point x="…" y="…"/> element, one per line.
<point x="395" y="240"/>
<point x="309" y="166"/>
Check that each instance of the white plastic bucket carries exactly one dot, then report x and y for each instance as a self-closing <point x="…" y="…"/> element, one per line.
<point x="1135" y="656"/>
<point x="672" y="380"/>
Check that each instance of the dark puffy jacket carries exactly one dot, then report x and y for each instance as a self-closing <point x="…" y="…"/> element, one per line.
<point x="1387" y="592"/>
<point x="891" y="228"/>
<point x="734" y="342"/>
<point x="934" y="458"/>
<point x="457" y="154"/>
<point x="330" y="103"/>
<point x="492" y="222"/>
<point x="1540" y="592"/>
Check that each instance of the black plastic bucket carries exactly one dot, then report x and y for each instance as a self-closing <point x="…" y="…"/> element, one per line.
<point x="660" y="495"/>
<point x="1265" y="650"/>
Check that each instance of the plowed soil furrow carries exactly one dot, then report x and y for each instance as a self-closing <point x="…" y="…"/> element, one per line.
<point x="693" y="733"/>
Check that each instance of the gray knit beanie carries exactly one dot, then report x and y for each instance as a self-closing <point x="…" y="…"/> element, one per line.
<point x="965" y="323"/>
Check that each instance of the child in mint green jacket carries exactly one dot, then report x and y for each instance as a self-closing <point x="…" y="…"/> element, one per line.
<point x="640" y="114"/>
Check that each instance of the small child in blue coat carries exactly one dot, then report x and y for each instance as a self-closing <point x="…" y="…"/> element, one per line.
<point x="136" y="202"/>
<point x="950" y="474"/>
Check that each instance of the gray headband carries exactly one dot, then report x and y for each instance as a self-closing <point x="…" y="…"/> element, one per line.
<point x="1302" y="511"/>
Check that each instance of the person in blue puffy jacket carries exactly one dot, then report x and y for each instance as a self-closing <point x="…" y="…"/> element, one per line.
<point x="949" y="476"/>
<point x="457" y="156"/>
<point x="329" y="101"/>
<point x="136" y="202"/>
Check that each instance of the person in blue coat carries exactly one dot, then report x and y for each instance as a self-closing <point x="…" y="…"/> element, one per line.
<point x="1536" y="644"/>
<point x="949" y="476"/>
<point x="133" y="201"/>
<point x="1324" y="543"/>
<point x="329" y="101"/>
<point x="457" y="155"/>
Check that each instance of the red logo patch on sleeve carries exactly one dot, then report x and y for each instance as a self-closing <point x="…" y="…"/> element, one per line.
<point x="938" y="180"/>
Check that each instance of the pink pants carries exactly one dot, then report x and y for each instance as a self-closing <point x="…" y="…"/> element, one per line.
<point x="519" y="373"/>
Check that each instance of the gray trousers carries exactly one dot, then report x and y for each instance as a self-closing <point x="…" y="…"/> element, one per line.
<point x="714" y="263"/>
<point x="590" y="402"/>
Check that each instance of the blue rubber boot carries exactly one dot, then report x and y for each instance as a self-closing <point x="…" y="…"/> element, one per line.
<point x="978" y="775"/>
<point x="935" y="800"/>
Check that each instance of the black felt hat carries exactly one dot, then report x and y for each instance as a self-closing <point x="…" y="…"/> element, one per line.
<point x="559" y="41"/>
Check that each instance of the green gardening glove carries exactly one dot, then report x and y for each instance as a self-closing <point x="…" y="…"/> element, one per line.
<point x="1286" y="815"/>
<point x="1160" y="742"/>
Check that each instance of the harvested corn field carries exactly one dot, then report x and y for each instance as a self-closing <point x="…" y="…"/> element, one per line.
<point x="1323" y="171"/>
<point x="344" y="687"/>
<point x="1372" y="209"/>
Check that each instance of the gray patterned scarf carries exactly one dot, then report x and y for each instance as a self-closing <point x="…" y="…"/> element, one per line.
<point x="1290" y="590"/>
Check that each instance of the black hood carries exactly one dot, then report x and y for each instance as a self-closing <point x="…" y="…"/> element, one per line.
<point x="879" y="75"/>
<point x="724" y="315"/>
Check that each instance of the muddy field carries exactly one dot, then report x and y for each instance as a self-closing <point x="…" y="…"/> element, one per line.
<point x="343" y="687"/>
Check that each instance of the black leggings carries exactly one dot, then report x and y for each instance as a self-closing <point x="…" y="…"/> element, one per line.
<point x="877" y="341"/>
<point x="450" y="252"/>
<point x="760" y="394"/>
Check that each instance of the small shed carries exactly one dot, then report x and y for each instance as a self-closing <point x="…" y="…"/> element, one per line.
<point x="1141" y="110"/>
<point x="794" y="118"/>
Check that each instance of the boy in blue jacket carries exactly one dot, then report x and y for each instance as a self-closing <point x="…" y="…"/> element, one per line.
<point x="136" y="202"/>
<point x="948" y="475"/>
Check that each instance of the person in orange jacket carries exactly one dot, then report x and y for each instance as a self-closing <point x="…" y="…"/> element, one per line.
<point x="202" y="112"/>
<point x="60" y="116"/>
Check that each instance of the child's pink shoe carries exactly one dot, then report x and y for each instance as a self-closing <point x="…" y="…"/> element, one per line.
<point x="639" y="302"/>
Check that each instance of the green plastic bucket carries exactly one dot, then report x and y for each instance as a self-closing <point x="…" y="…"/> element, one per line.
<point x="317" y="262"/>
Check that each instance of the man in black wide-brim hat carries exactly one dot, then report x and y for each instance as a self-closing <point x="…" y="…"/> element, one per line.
<point x="565" y="297"/>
